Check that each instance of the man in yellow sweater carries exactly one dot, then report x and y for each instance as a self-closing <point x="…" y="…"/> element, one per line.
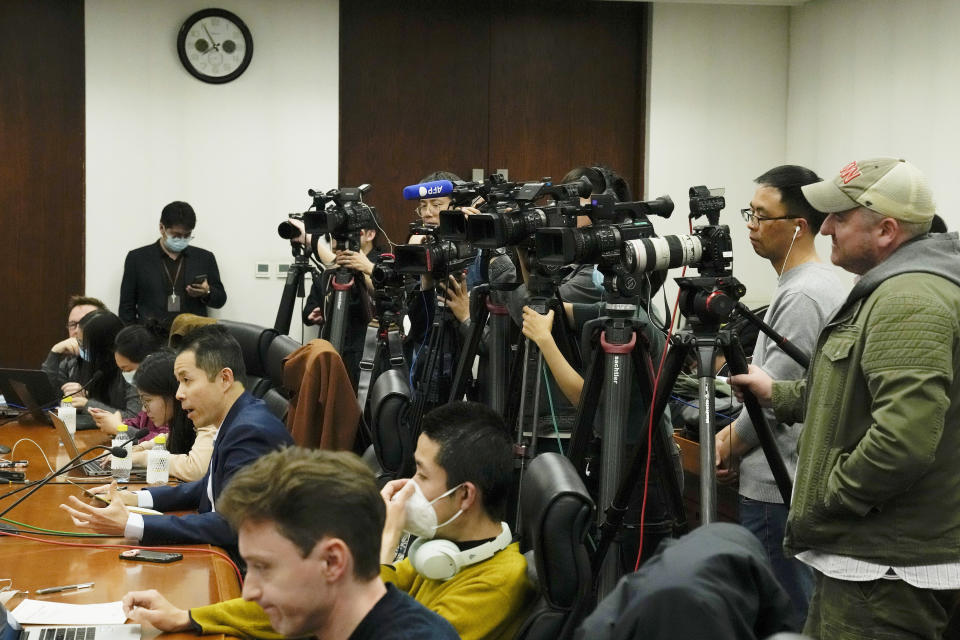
<point x="457" y="497"/>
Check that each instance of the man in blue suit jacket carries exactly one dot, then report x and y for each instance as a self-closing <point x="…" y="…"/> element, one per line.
<point x="210" y="369"/>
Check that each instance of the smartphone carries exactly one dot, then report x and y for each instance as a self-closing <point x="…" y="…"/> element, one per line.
<point x="11" y="476"/>
<point x="142" y="555"/>
<point x="200" y="278"/>
<point x="13" y="463"/>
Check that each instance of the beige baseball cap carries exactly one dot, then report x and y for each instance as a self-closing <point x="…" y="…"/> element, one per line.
<point x="889" y="186"/>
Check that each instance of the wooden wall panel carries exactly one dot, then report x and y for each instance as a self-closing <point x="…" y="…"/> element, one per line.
<point x="41" y="173"/>
<point x="566" y="83"/>
<point x="413" y="97"/>
<point x="533" y="87"/>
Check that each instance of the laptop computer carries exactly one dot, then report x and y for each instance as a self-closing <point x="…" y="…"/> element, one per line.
<point x="10" y="629"/>
<point x="31" y="389"/>
<point x="90" y="469"/>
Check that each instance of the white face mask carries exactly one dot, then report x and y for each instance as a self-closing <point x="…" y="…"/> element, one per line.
<point x="421" y="518"/>
<point x="128" y="376"/>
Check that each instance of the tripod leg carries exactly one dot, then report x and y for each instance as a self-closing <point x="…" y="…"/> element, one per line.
<point x="706" y="354"/>
<point x="342" y="284"/>
<point x="662" y="443"/>
<point x="738" y="364"/>
<point x="288" y="299"/>
<point x="586" y="408"/>
<point x="498" y="358"/>
<point x="469" y="352"/>
<point x="618" y="509"/>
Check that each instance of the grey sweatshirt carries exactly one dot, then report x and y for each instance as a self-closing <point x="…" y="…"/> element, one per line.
<point x="806" y="297"/>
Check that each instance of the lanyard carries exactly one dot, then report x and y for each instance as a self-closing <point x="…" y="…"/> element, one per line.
<point x="173" y="280"/>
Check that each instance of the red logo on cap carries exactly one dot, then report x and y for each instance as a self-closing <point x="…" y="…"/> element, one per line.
<point x="850" y="172"/>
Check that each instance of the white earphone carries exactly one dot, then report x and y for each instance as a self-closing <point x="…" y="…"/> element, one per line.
<point x="443" y="559"/>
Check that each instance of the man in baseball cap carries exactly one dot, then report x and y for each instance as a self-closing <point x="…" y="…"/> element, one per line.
<point x="876" y="504"/>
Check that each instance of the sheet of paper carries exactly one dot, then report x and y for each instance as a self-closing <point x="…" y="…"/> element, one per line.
<point x="39" y="612"/>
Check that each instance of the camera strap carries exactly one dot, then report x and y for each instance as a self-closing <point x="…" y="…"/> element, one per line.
<point x="372" y="346"/>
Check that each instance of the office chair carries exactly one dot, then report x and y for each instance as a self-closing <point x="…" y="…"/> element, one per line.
<point x="555" y="513"/>
<point x="277" y="351"/>
<point x="254" y="341"/>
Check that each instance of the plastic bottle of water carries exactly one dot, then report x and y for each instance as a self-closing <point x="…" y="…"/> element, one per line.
<point x="68" y="413"/>
<point x="120" y="467"/>
<point x="158" y="461"/>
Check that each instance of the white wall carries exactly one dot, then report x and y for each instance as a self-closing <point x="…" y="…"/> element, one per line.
<point x="877" y="77"/>
<point x="243" y="154"/>
<point x="717" y="115"/>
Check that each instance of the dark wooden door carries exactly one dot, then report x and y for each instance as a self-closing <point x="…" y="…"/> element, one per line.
<point x="566" y="88"/>
<point x="41" y="173"/>
<point x="413" y="97"/>
<point x="534" y="87"/>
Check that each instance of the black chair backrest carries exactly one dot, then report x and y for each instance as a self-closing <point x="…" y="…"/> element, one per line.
<point x="254" y="342"/>
<point x="281" y="347"/>
<point x="556" y="512"/>
<point x="277" y="404"/>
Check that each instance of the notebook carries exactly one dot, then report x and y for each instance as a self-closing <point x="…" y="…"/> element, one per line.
<point x="10" y="629"/>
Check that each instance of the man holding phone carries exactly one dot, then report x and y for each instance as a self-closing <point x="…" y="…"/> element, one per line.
<point x="169" y="277"/>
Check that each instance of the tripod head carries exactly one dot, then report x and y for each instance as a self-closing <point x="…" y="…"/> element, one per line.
<point x="707" y="302"/>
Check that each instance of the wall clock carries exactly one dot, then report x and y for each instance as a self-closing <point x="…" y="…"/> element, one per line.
<point x="215" y="46"/>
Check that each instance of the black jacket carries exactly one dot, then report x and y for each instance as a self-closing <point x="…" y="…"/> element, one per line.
<point x="714" y="582"/>
<point x="146" y="285"/>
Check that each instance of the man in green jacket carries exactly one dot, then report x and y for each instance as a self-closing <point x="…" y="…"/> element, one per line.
<point x="876" y="505"/>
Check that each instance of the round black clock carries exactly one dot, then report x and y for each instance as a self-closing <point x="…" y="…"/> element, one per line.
<point x="215" y="46"/>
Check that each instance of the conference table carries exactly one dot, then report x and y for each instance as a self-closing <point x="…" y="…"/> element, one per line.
<point x="36" y="561"/>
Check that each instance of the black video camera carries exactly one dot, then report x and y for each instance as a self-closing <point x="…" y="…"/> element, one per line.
<point x="339" y="212"/>
<point x="437" y="256"/>
<point x="614" y="224"/>
<point x="512" y="218"/>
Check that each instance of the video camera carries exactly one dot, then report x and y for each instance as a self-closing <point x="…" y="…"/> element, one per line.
<point x="512" y="218"/>
<point x="614" y="223"/>
<point x="388" y="285"/>
<point x="339" y="212"/>
<point x="437" y="256"/>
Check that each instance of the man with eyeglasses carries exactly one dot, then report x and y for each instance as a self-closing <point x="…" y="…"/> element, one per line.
<point x="169" y="277"/>
<point x="782" y="227"/>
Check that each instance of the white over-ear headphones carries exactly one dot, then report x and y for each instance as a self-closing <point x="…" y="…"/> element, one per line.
<point x="443" y="559"/>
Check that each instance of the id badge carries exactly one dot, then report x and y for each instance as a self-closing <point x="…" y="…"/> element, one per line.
<point x="173" y="302"/>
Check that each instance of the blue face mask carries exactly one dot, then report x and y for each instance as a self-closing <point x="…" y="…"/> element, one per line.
<point x="597" y="278"/>
<point x="84" y="354"/>
<point x="176" y="244"/>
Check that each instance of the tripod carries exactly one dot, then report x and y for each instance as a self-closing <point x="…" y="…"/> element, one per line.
<point x="430" y="388"/>
<point x="486" y="313"/>
<point x="705" y="302"/>
<point x="623" y="352"/>
<point x="293" y="287"/>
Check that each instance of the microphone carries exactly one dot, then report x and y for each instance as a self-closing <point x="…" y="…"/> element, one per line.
<point x="433" y="189"/>
<point x="134" y="438"/>
<point x="96" y="376"/>
<point x="120" y="452"/>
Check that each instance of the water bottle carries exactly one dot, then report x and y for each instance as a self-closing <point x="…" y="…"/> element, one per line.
<point x="158" y="461"/>
<point x="120" y="467"/>
<point x="68" y="413"/>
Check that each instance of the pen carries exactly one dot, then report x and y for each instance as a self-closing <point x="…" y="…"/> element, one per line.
<point x="66" y="587"/>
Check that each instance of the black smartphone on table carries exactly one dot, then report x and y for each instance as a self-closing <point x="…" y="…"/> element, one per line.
<point x="143" y="555"/>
